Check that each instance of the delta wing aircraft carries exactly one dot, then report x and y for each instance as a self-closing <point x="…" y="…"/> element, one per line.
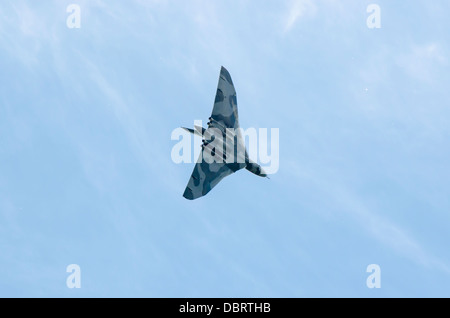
<point x="223" y="149"/>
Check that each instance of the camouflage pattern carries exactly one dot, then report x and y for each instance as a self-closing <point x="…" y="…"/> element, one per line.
<point x="224" y="115"/>
<point x="205" y="177"/>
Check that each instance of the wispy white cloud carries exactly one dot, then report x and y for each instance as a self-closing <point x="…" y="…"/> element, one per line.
<point x="386" y="231"/>
<point x="422" y="61"/>
<point x="140" y="133"/>
<point x="297" y="10"/>
<point x="20" y="33"/>
<point x="375" y="224"/>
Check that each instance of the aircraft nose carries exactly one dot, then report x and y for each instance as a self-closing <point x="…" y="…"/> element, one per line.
<point x="263" y="173"/>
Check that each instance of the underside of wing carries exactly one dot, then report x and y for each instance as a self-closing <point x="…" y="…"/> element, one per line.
<point x="225" y="113"/>
<point x="205" y="177"/>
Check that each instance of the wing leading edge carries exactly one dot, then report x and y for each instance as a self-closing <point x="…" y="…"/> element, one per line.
<point x="224" y="115"/>
<point x="225" y="112"/>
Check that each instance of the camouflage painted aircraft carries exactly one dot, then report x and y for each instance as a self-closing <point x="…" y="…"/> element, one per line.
<point x="224" y="119"/>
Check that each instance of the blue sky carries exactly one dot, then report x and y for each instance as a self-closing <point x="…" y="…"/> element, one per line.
<point x="86" y="175"/>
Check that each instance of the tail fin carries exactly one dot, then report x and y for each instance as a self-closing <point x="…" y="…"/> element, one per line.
<point x="199" y="131"/>
<point x="189" y="130"/>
